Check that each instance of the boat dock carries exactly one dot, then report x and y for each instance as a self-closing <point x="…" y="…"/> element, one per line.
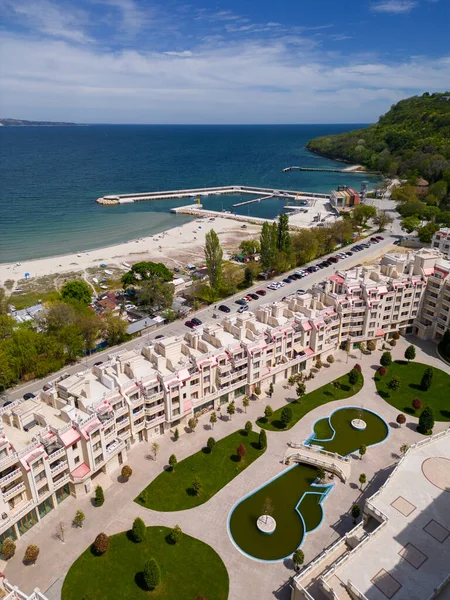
<point x="211" y="191"/>
<point x="348" y="171"/>
<point x="252" y="201"/>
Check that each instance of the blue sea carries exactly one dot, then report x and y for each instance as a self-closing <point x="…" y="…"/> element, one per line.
<point x="50" y="178"/>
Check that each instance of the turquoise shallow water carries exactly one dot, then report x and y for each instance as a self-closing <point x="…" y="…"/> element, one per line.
<point x="51" y="176"/>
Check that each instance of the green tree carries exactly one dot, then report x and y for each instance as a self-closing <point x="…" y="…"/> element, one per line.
<point x="79" y="518"/>
<point x="321" y="475"/>
<point x="410" y="353"/>
<point x="197" y="485"/>
<point x="394" y="384"/>
<point x="371" y="346"/>
<point x="176" y="434"/>
<point x="155" y="448"/>
<point x="213" y="257"/>
<point x="250" y="247"/>
<point x="386" y="359"/>
<point x="151" y="574"/>
<point x="192" y="423"/>
<point x="404" y="448"/>
<point x="175" y="535"/>
<point x="245" y="403"/>
<point x="78" y="291"/>
<point x="305" y="246"/>
<point x="268" y="244"/>
<point x="144" y="270"/>
<point x="427" y="379"/>
<point x="139" y="530"/>
<point x="173" y="462"/>
<point x="330" y="359"/>
<point x="362" y="450"/>
<point x="300" y="390"/>
<point x="249" y="276"/>
<point x="362" y="480"/>
<point x="353" y="377"/>
<point x="262" y="441"/>
<point x="211" y="443"/>
<point x="31" y="554"/>
<point x="299" y="558"/>
<point x="213" y="419"/>
<point x="248" y="427"/>
<point x="283" y="235"/>
<point x="99" y="496"/>
<point x="356" y="511"/>
<point x="126" y="472"/>
<point x="8" y="548"/>
<point x="382" y="219"/>
<point x="362" y="213"/>
<point x="115" y="331"/>
<point x="156" y="293"/>
<point x="268" y="412"/>
<point x="427" y="232"/>
<point x="410" y="224"/>
<point x="426" y="421"/>
<point x="271" y="390"/>
<point x="231" y="409"/>
<point x="286" y="416"/>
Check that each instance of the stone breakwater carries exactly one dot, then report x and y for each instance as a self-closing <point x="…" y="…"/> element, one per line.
<point x="108" y="200"/>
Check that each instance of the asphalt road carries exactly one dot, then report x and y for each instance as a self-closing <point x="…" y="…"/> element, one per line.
<point x="178" y="328"/>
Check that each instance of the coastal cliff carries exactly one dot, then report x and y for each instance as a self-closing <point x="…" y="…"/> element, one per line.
<point x="412" y="138"/>
<point x="24" y="123"/>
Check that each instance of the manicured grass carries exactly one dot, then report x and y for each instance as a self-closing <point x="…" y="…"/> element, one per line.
<point x="437" y="397"/>
<point x="188" y="569"/>
<point x="300" y="408"/>
<point x="172" y="490"/>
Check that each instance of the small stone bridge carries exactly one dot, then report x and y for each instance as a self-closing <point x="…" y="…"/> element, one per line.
<point x="313" y="455"/>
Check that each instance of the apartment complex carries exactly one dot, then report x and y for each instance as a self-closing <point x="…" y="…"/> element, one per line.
<point x="344" y="197"/>
<point x="82" y="426"/>
<point x="441" y="241"/>
<point x="405" y="525"/>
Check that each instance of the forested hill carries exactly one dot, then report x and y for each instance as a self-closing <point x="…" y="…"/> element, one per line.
<point x="412" y="139"/>
<point x="23" y="123"/>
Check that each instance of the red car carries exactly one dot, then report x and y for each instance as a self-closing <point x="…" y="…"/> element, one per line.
<point x="261" y="292"/>
<point x="190" y="324"/>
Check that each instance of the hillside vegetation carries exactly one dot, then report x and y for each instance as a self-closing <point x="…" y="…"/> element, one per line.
<point x="411" y="140"/>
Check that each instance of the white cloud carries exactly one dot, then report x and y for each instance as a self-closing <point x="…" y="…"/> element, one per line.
<point x="266" y="82"/>
<point x="394" y="6"/>
<point x="132" y="18"/>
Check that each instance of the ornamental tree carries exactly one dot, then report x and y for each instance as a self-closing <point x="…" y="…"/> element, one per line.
<point x="394" y="384"/>
<point x="330" y="361"/>
<point x="126" y="472"/>
<point x="241" y="451"/>
<point x="382" y="371"/>
<point x="210" y="443"/>
<point x="426" y="421"/>
<point x="362" y="480"/>
<point x="371" y="345"/>
<point x="248" y="427"/>
<point x="286" y="415"/>
<point x="321" y="474"/>
<point x="271" y="389"/>
<point x="357" y="367"/>
<point x="101" y="543"/>
<point x="99" y="496"/>
<point x="176" y="435"/>
<point x="79" y="518"/>
<point x="245" y="403"/>
<point x="299" y="558"/>
<point x="356" y="511"/>
<point x="8" y="548"/>
<point x="427" y="378"/>
<point x="410" y="353"/>
<point x="396" y="335"/>
<point x="77" y="291"/>
<point x="401" y="419"/>
<point x="196" y="485"/>
<point x="386" y="359"/>
<point x="192" y="423"/>
<point x="213" y="419"/>
<point x="362" y="450"/>
<point x="262" y="441"/>
<point x="300" y="390"/>
<point x="173" y="461"/>
<point x="151" y="574"/>
<point x="231" y="409"/>
<point x="139" y="530"/>
<point x="31" y="554"/>
<point x="268" y="412"/>
<point x="417" y="404"/>
<point x="175" y="535"/>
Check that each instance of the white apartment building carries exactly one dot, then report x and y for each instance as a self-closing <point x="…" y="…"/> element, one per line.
<point x="441" y="241"/>
<point x="82" y="426"/>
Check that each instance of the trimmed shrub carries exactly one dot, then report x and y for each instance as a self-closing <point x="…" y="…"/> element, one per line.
<point x="426" y="421"/>
<point x="211" y="443"/>
<point x="151" y="574"/>
<point x="394" y="384"/>
<point x="393" y="343"/>
<point x="175" y="535"/>
<point x="427" y="378"/>
<point x="268" y="411"/>
<point x="298" y="557"/>
<point x="31" y="554"/>
<point x="357" y="367"/>
<point x="286" y="416"/>
<point x="417" y="404"/>
<point x="262" y="441"/>
<point x="382" y="371"/>
<point x="410" y="353"/>
<point x="173" y="461"/>
<point x="396" y="335"/>
<point x="371" y="346"/>
<point x="139" y="530"/>
<point x="401" y="419"/>
<point x="248" y="427"/>
<point x="330" y="359"/>
<point x="143" y="496"/>
<point x="79" y="518"/>
<point x="353" y="377"/>
<point x="101" y="543"/>
<point x="99" y="496"/>
<point x="241" y="451"/>
<point x="8" y="548"/>
<point x="386" y="359"/>
<point x="126" y="472"/>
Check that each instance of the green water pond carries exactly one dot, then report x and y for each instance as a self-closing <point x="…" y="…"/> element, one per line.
<point x="296" y="500"/>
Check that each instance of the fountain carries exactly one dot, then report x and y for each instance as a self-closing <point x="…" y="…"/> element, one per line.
<point x="359" y="422"/>
<point x="266" y="524"/>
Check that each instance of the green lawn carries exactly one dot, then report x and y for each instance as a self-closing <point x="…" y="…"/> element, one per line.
<point x="172" y="490"/>
<point x="300" y="408"/>
<point x="410" y="375"/>
<point x="188" y="569"/>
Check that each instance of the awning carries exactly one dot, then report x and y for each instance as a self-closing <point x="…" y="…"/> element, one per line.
<point x="80" y="471"/>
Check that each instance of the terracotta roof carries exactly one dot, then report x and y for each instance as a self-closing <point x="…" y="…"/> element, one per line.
<point x="81" y="471"/>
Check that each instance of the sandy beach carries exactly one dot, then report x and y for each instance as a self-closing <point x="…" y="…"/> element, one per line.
<point x="175" y="247"/>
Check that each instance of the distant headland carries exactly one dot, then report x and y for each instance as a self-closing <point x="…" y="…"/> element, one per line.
<point x="24" y="123"/>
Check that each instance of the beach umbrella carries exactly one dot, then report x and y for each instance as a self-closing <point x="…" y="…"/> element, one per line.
<point x="27" y="275"/>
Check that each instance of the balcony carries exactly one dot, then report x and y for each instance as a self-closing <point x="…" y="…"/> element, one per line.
<point x="123" y="422"/>
<point x="224" y="368"/>
<point x="154" y="409"/>
<point x="155" y="395"/>
<point x="240" y="361"/>
<point x="155" y="421"/>
<point x="14" y="491"/>
<point x="110" y="433"/>
<point x="138" y="412"/>
<point x="11" y="476"/>
<point x="114" y="446"/>
<point x="58" y="467"/>
<point x="138" y="426"/>
<point x="121" y="411"/>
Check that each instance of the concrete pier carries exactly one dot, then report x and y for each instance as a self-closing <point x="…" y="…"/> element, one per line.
<point x="253" y="201"/>
<point x="195" y="192"/>
<point x="348" y="171"/>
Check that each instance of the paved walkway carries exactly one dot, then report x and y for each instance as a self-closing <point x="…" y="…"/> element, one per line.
<point x="248" y="578"/>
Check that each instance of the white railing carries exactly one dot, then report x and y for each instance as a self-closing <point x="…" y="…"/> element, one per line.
<point x="87" y="420"/>
<point x="58" y="467"/>
<point x="303" y="590"/>
<point x="17" y="514"/>
<point x="10" y="476"/>
<point x="59" y="482"/>
<point x="20" y="487"/>
<point x="328" y="590"/>
<point x="57" y="454"/>
<point x="354" y="590"/>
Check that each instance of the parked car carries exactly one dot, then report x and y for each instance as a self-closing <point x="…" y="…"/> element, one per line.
<point x="28" y="396"/>
<point x="334" y="259"/>
<point x="224" y="308"/>
<point x="380" y="238"/>
<point x="241" y="302"/>
<point x="301" y="292"/>
<point x="243" y="309"/>
<point x="287" y="280"/>
<point x="190" y="324"/>
<point x="159" y="337"/>
<point x="254" y="296"/>
<point x="196" y="321"/>
<point x="349" y="253"/>
<point x="261" y="292"/>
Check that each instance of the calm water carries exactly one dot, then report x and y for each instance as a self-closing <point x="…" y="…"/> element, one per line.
<point x="51" y="176"/>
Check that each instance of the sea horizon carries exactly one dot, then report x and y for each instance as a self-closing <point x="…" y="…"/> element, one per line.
<point x="52" y="176"/>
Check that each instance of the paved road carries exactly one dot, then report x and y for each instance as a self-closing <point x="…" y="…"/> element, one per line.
<point x="206" y="314"/>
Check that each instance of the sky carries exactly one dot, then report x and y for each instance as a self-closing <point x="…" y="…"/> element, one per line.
<point x="231" y="61"/>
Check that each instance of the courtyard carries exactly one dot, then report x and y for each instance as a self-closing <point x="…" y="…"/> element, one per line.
<point x="208" y="521"/>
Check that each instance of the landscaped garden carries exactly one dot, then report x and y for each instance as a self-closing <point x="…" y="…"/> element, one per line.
<point x="340" y="389"/>
<point x="409" y="388"/>
<point x="197" y="478"/>
<point x="187" y="569"/>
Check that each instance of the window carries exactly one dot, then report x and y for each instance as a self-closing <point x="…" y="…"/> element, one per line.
<point x="74" y="446"/>
<point x="40" y="476"/>
<point x="62" y="493"/>
<point x="77" y="460"/>
<point x="97" y="446"/>
<point x="27" y="522"/>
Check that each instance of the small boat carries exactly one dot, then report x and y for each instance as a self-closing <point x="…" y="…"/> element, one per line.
<point x="95" y="280"/>
<point x="103" y="265"/>
<point x="126" y="265"/>
<point x="78" y="254"/>
<point x="108" y="272"/>
<point x="104" y="287"/>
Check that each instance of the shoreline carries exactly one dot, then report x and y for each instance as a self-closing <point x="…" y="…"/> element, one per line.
<point x="176" y="246"/>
